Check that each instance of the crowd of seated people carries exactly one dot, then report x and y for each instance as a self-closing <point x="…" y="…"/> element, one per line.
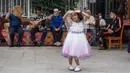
<point x="38" y="24"/>
<point x="100" y="29"/>
<point x="95" y="25"/>
<point x="112" y="29"/>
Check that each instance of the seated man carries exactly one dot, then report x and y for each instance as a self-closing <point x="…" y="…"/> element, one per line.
<point x="113" y="29"/>
<point x="38" y="25"/>
<point x="56" y="23"/>
<point x="15" y="17"/>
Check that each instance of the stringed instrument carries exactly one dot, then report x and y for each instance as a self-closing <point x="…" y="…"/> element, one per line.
<point x="36" y="23"/>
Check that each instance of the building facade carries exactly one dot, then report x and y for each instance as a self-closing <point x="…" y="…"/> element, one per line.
<point x="104" y="6"/>
<point x="96" y="6"/>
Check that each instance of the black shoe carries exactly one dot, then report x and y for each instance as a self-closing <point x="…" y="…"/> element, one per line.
<point x="102" y="48"/>
<point x="34" y="44"/>
<point x="40" y="44"/>
<point x="92" y="44"/>
<point x="18" y="45"/>
<point x="11" y="46"/>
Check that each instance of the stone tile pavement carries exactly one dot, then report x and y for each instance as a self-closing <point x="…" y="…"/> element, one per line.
<point x="49" y="60"/>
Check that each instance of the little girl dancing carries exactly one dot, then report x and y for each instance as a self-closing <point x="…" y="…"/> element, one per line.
<point x="76" y="45"/>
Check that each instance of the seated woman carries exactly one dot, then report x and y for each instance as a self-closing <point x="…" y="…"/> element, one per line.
<point x="15" y="18"/>
<point x="113" y="29"/>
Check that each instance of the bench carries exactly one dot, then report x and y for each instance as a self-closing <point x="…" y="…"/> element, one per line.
<point x="26" y="40"/>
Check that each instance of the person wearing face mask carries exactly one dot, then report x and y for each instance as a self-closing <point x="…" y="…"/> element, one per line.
<point x="56" y="23"/>
<point x="102" y="22"/>
<point x="113" y="29"/>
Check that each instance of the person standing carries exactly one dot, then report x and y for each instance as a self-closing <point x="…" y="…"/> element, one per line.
<point x="15" y="18"/>
<point x="76" y="45"/>
<point x="90" y="26"/>
<point x="56" y="23"/>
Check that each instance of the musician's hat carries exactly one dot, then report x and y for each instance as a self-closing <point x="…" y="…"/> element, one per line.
<point x="56" y="9"/>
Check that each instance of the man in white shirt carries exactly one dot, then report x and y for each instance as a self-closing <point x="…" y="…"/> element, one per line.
<point x="90" y="26"/>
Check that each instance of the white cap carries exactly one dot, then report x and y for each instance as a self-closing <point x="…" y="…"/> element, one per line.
<point x="56" y="9"/>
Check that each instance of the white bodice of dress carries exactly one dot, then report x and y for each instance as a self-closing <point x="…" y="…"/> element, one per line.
<point x="77" y="27"/>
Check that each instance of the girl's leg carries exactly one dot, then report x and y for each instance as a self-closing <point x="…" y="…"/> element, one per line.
<point x="70" y="63"/>
<point x="77" y="62"/>
<point x="77" y="69"/>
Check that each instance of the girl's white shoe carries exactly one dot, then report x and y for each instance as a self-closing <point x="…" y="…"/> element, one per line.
<point x="77" y="69"/>
<point x="71" y="68"/>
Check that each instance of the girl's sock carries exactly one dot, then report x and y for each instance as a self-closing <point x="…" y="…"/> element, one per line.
<point x="71" y="68"/>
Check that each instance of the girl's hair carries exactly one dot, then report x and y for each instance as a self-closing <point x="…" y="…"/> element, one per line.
<point x="80" y="16"/>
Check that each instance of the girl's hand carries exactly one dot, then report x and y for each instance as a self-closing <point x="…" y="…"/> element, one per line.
<point x="69" y="12"/>
<point x="77" y="11"/>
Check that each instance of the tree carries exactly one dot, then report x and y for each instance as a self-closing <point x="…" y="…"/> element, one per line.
<point x="49" y="5"/>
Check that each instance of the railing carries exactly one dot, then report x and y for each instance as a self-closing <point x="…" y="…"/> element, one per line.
<point x="6" y="4"/>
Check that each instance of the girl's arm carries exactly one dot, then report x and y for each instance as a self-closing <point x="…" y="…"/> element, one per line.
<point x="67" y="19"/>
<point x="84" y="14"/>
<point x="66" y="15"/>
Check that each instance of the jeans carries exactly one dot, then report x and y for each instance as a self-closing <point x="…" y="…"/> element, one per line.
<point x="33" y="32"/>
<point x="12" y="31"/>
<point x="93" y="31"/>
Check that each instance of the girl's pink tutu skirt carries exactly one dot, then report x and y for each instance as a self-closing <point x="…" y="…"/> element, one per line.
<point x="76" y="45"/>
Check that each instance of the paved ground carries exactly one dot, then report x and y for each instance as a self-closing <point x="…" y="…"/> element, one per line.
<point x="49" y="60"/>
